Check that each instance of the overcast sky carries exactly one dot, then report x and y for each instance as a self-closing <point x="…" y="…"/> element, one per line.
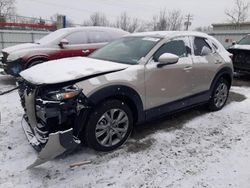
<point x="205" y="12"/>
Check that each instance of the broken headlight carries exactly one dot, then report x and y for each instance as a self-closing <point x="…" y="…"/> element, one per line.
<point x="62" y="94"/>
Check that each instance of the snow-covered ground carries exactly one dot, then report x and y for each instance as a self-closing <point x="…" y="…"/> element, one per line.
<point x="192" y="149"/>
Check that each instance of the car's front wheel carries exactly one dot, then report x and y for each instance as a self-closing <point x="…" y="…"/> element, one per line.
<point x="109" y="125"/>
<point x="36" y="62"/>
<point x="219" y="95"/>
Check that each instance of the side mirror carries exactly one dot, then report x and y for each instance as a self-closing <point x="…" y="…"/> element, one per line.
<point x="63" y="42"/>
<point x="167" y="59"/>
<point x="234" y="42"/>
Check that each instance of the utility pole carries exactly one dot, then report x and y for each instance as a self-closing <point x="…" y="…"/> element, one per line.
<point x="188" y="22"/>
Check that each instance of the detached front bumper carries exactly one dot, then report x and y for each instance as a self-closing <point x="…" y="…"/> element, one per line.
<point x="52" y="127"/>
<point x="57" y="143"/>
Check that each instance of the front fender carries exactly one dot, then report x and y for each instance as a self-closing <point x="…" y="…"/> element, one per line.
<point x="121" y="92"/>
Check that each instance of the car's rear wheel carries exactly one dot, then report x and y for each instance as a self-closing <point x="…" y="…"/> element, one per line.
<point x="108" y="126"/>
<point x="219" y="95"/>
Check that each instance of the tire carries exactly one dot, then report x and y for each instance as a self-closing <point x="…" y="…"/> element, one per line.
<point x="219" y="95"/>
<point x="104" y="133"/>
<point x="35" y="63"/>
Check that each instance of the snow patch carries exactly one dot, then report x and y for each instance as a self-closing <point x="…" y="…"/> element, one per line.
<point x="193" y="149"/>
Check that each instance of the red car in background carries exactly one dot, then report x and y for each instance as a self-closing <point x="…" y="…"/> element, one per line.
<point x="67" y="42"/>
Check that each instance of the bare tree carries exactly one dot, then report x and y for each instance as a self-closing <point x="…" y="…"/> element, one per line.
<point x="160" y="22"/>
<point x="97" y="19"/>
<point x="175" y="20"/>
<point x="127" y="24"/>
<point x="135" y="26"/>
<point x="7" y="8"/>
<point x="239" y="13"/>
<point x="172" y="20"/>
<point x="123" y="21"/>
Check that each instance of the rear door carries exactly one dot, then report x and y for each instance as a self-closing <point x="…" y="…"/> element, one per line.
<point x="206" y="62"/>
<point x="98" y="39"/>
<point x="171" y="82"/>
<point x="79" y="45"/>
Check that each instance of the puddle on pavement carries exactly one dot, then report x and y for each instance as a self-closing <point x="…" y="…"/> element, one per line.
<point x="135" y="146"/>
<point x="176" y="121"/>
<point x="169" y="123"/>
<point x="236" y="97"/>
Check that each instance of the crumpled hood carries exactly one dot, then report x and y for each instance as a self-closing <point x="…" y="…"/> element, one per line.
<point x="241" y="47"/>
<point x="21" y="47"/>
<point x="68" y="69"/>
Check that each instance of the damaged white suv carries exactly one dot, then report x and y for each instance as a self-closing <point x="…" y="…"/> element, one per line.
<point x="142" y="76"/>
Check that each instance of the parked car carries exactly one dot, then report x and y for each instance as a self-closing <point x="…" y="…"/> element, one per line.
<point x="241" y="54"/>
<point x="97" y="100"/>
<point x="67" y="42"/>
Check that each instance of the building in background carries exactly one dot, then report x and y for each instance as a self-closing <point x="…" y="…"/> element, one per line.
<point x="227" y="33"/>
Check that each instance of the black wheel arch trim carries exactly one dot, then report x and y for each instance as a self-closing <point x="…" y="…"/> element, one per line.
<point x="226" y="71"/>
<point x="36" y="58"/>
<point x="123" y="93"/>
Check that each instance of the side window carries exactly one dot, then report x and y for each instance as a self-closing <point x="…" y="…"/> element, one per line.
<point x="179" y="47"/>
<point x="98" y="36"/>
<point x="79" y="37"/>
<point x="201" y="47"/>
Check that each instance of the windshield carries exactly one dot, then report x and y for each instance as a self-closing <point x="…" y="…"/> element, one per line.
<point x="128" y="50"/>
<point x="245" y="40"/>
<point x="52" y="36"/>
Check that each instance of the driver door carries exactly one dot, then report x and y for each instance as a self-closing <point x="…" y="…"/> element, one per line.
<point x="171" y="82"/>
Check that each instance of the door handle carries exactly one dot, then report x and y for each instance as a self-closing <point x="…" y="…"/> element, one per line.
<point x="85" y="51"/>
<point x="218" y="61"/>
<point x="187" y="68"/>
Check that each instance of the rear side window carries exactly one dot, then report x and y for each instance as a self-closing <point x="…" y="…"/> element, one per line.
<point x="201" y="47"/>
<point x="79" y="37"/>
<point x="98" y="37"/>
<point x="178" y="47"/>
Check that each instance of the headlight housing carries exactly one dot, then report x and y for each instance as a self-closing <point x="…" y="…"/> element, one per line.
<point x="65" y="93"/>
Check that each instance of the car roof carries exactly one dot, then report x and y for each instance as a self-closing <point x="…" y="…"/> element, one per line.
<point x="96" y="28"/>
<point x="167" y="34"/>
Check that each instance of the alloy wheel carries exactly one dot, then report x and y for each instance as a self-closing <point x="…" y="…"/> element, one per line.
<point x="112" y="127"/>
<point x="221" y="94"/>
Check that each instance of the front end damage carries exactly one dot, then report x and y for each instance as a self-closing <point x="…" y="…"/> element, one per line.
<point x="53" y="118"/>
<point x="11" y="67"/>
